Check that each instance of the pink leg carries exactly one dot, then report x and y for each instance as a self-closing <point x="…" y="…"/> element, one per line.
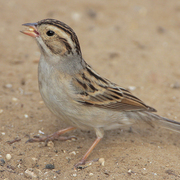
<point x="83" y="160"/>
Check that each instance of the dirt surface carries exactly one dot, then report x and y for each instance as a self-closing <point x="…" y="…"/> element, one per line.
<point x="134" y="44"/>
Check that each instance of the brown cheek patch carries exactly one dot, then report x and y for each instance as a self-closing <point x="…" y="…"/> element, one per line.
<point x="65" y="42"/>
<point x="56" y="47"/>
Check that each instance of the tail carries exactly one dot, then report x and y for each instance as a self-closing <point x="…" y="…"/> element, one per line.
<point x="153" y="119"/>
<point x="168" y="123"/>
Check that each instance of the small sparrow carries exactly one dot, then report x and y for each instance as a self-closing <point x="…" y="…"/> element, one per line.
<point x="79" y="96"/>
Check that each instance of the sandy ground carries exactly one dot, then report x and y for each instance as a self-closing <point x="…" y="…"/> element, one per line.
<point x="132" y="43"/>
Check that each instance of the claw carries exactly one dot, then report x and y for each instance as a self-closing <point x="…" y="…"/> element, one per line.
<point x="78" y="165"/>
<point x="84" y="162"/>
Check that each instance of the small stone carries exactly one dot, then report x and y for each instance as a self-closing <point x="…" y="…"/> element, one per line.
<point x="30" y="174"/>
<point x="58" y="171"/>
<point x="76" y="16"/>
<point x="34" y="159"/>
<point x="176" y="85"/>
<point x="131" y="88"/>
<point x="74" y="175"/>
<point x="8" y="85"/>
<point x="113" y="55"/>
<point x="161" y="30"/>
<point x="41" y="132"/>
<point x="1" y="110"/>
<point x="14" y="99"/>
<point x="2" y="162"/>
<point x="3" y="133"/>
<point x="102" y="161"/>
<point x="129" y="171"/>
<point x="169" y="171"/>
<point x="8" y="157"/>
<point x="89" y="164"/>
<point x="92" y="13"/>
<point x="73" y="139"/>
<point x="50" y="144"/>
<point x="73" y="152"/>
<point x="91" y="174"/>
<point x="49" y="166"/>
<point x="26" y="116"/>
<point x="68" y="158"/>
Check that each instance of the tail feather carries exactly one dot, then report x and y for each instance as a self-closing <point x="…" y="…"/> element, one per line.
<point x="169" y="124"/>
<point x="154" y="119"/>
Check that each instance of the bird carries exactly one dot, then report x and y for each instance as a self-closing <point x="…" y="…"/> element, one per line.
<point x="76" y="94"/>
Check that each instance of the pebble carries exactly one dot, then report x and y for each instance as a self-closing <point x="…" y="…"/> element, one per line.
<point x="14" y="99"/>
<point x="41" y="132"/>
<point x="129" y="171"/>
<point x="8" y="156"/>
<point x="74" y="175"/>
<point x="50" y="144"/>
<point x="8" y="85"/>
<point x="64" y="151"/>
<point x="3" y="133"/>
<point x="1" y="110"/>
<point x="26" y="116"/>
<point x="176" y="85"/>
<point x="30" y="174"/>
<point x="73" y="152"/>
<point x="34" y="159"/>
<point x="41" y="102"/>
<point x="92" y="13"/>
<point x="131" y="88"/>
<point x="76" y="16"/>
<point x="91" y="174"/>
<point x="73" y="139"/>
<point x="89" y="164"/>
<point x="102" y="161"/>
<point x="49" y="166"/>
<point x="2" y="162"/>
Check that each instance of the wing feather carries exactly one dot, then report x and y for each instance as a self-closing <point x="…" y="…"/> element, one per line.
<point x="93" y="90"/>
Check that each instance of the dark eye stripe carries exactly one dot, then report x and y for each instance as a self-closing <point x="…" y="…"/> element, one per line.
<point x="65" y="28"/>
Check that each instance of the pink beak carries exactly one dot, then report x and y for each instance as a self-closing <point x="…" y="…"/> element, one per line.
<point x="32" y="31"/>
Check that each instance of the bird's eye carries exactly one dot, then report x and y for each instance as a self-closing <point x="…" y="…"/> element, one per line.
<point x="50" y="33"/>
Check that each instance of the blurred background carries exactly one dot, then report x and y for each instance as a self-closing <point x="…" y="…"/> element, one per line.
<point x="134" y="44"/>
